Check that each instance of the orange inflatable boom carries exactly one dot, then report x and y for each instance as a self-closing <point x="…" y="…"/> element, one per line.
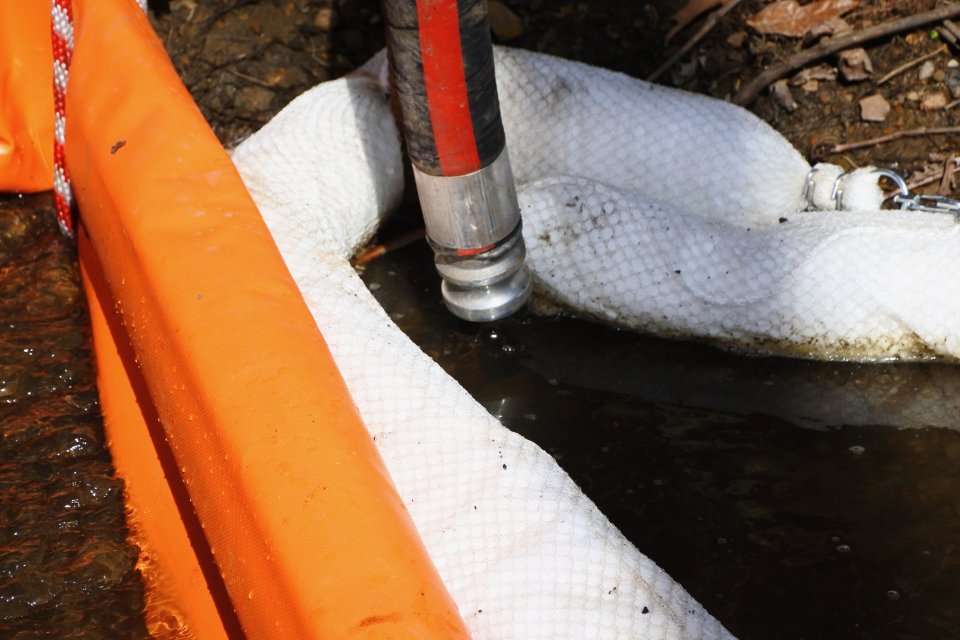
<point x="227" y="417"/>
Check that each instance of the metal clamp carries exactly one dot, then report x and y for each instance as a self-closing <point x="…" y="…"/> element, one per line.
<point x="918" y="202"/>
<point x="905" y="200"/>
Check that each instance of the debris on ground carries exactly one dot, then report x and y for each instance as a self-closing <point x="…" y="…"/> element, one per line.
<point x="244" y="60"/>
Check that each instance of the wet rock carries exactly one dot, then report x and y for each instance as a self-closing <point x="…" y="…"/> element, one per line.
<point x="101" y="565"/>
<point x="26" y="592"/>
<point x="926" y="70"/>
<point x="58" y="492"/>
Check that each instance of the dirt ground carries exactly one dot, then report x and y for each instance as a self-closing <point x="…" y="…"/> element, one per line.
<point x="243" y="60"/>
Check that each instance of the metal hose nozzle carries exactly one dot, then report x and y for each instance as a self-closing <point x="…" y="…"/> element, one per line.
<point x="442" y="65"/>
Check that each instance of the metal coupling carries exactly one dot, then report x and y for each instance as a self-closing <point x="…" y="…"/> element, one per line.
<point x="473" y="225"/>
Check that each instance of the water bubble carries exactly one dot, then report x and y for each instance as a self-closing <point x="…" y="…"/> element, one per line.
<point x="857" y="450"/>
<point x="493" y="335"/>
<point x="893" y="594"/>
<point x="843" y="548"/>
<point x="374" y="286"/>
<point x="834" y="539"/>
<point x="721" y="541"/>
<point x="508" y="348"/>
<point x="530" y="416"/>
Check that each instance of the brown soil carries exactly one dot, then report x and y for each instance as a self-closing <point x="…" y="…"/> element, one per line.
<point x="244" y="60"/>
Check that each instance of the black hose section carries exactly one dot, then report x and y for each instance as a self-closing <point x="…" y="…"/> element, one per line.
<point x="406" y="66"/>
<point x="476" y="52"/>
<point x="481" y="80"/>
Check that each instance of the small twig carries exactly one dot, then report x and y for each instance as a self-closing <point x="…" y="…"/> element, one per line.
<point x="707" y="26"/>
<point x="909" y="65"/>
<point x="922" y="131"/>
<point x="949" y="167"/>
<point x="750" y="92"/>
<point x="913" y="185"/>
<point x="252" y="80"/>
<point x="382" y="249"/>
<point x="949" y="26"/>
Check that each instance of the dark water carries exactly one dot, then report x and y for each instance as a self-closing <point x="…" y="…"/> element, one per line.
<point x="66" y="568"/>
<point x="793" y="499"/>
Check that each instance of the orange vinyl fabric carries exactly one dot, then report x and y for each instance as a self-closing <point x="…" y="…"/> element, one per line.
<point x="309" y="536"/>
<point x="26" y="96"/>
<point x="184" y="591"/>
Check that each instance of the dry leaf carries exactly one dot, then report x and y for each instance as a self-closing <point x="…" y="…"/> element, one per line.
<point x="788" y="18"/>
<point x="854" y="64"/>
<point x="874" y="108"/>
<point x="835" y="26"/>
<point x="689" y="12"/>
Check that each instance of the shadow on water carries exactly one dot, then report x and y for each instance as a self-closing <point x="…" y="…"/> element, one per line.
<point x="794" y="499"/>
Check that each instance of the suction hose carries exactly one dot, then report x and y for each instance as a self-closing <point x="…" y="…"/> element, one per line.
<point x="442" y="64"/>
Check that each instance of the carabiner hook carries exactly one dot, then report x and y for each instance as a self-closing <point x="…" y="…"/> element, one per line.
<point x="918" y="202"/>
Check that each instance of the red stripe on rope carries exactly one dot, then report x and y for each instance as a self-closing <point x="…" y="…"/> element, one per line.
<point x="62" y="52"/>
<point x="446" y="86"/>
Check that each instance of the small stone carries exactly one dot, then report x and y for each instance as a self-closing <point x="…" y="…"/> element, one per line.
<point x="255" y="98"/>
<point x="926" y="70"/>
<point x="505" y="24"/>
<point x="737" y="39"/>
<point x="855" y="65"/>
<point x="874" y="108"/>
<point x="782" y="95"/>
<point x="276" y="76"/>
<point x="933" y="101"/>
<point x="325" y="19"/>
<point x="913" y="96"/>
